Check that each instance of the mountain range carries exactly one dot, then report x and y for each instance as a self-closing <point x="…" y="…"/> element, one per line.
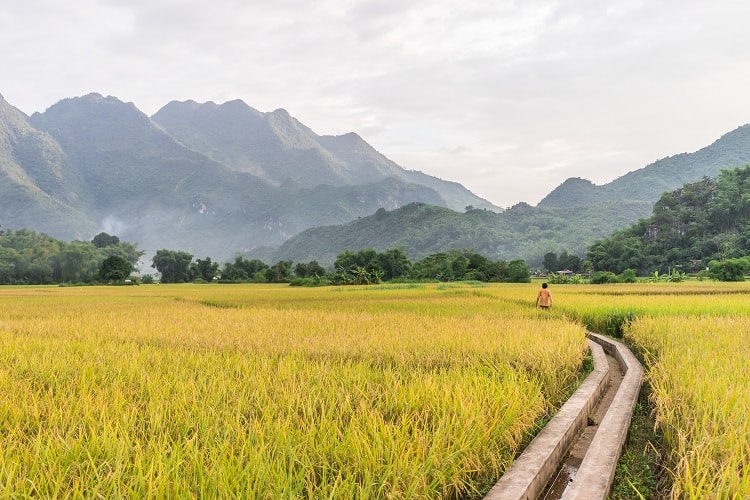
<point x="570" y="218"/>
<point x="210" y="179"/>
<point x="221" y="179"/>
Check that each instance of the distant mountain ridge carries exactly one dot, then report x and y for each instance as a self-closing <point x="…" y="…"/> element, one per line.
<point x="274" y="145"/>
<point x="647" y="184"/>
<point x="522" y="231"/>
<point x="247" y="140"/>
<point x="210" y="179"/>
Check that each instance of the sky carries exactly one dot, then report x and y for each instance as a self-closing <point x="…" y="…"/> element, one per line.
<point x="508" y="98"/>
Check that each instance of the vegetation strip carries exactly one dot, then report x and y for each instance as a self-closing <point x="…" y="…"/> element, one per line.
<point x="531" y="471"/>
<point x="701" y="400"/>
<point x="95" y="390"/>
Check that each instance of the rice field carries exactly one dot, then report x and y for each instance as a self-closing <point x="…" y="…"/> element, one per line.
<point x="409" y="391"/>
<point x="258" y="391"/>
<point x="694" y="338"/>
<point x="699" y="376"/>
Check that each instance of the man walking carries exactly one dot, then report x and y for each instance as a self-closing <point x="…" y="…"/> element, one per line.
<point x="544" y="298"/>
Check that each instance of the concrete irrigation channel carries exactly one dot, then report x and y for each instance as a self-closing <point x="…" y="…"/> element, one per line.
<point x="575" y="455"/>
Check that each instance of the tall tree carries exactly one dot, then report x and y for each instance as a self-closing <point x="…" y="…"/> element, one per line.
<point x="204" y="269"/>
<point x="173" y="265"/>
<point x="518" y="272"/>
<point x="115" y="268"/>
<point x="281" y="272"/>
<point x="309" y="270"/>
<point x="393" y="263"/>
<point x="77" y="262"/>
<point x="104" y="240"/>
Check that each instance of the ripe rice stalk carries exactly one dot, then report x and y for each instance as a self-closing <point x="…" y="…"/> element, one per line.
<point x="702" y="399"/>
<point x="270" y="391"/>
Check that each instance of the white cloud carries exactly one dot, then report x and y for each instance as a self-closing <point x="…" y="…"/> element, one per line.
<point x="509" y="98"/>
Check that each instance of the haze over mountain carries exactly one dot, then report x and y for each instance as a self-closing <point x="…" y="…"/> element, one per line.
<point x="206" y="178"/>
<point x="220" y="179"/>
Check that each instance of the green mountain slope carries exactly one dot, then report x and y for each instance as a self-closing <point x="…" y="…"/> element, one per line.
<point x="223" y="179"/>
<point x="36" y="187"/>
<point x="570" y="218"/>
<point x="522" y="231"/>
<point x="688" y="227"/>
<point x="216" y="180"/>
<point x="142" y="183"/>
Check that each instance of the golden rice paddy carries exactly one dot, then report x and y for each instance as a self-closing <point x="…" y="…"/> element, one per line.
<point x="410" y="391"/>
<point x="273" y="391"/>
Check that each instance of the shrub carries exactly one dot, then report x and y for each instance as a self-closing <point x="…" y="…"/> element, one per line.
<point x="628" y="276"/>
<point x="728" y="270"/>
<point x="601" y="277"/>
<point x="309" y="281"/>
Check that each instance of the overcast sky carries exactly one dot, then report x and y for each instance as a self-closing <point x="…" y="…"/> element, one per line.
<point x="508" y="98"/>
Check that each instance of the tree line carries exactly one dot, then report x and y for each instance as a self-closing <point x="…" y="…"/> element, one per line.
<point x="701" y="228"/>
<point x="366" y="266"/>
<point x="27" y="257"/>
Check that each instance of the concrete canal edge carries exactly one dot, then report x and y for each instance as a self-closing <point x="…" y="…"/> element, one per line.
<point x="529" y="475"/>
<point x="596" y="473"/>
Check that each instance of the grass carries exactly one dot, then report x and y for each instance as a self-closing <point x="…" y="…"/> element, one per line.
<point x="390" y="391"/>
<point x="701" y="399"/>
<point x="640" y="471"/>
<point x="268" y="391"/>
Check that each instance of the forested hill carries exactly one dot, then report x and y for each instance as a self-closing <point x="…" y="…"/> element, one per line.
<point x="521" y="232"/>
<point x="221" y="179"/>
<point x="691" y="226"/>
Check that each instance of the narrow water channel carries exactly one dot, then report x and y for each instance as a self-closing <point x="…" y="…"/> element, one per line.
<point x="560" y="482"/>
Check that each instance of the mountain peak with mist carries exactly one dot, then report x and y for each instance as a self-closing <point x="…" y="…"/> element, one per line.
<point x="211" y="179"/>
